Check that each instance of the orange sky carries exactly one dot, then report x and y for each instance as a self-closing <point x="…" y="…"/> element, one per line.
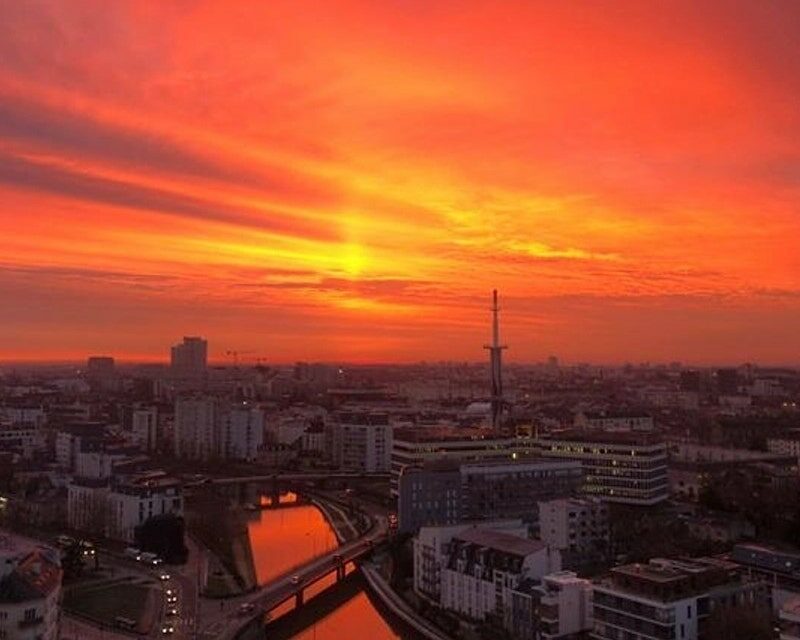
<point x="349" y="180"/>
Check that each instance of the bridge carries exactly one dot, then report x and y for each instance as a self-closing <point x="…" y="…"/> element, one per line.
<point x="293" y="584"/>
<point x="288" y="477"/>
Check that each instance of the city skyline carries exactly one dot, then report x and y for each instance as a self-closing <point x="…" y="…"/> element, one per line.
<point x="348" y="183"/>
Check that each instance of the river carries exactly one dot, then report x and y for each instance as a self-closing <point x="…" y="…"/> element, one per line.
<point x="288" y="536"/>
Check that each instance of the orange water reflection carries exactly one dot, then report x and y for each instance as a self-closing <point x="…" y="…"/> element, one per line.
<point x="287" y="537"/>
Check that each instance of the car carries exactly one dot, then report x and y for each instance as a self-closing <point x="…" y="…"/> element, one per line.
<point x="295" y="580"/>
<point x="167" y="629"/>
<point x="124" y="623"/>
<point x="171" y="612"/>
<point x="246" y="608"/>
<point x="164" y="576"/>
<point x="133" y="553"/>
<point x="172" y="599"/>
<point x="64" y="540"/>
<point x="151" y="559"/>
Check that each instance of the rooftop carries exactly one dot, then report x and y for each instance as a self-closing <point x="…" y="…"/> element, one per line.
<point x="500" y="541"/>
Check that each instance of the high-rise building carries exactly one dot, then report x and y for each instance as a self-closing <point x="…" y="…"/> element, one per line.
<point x="195" y="428"/>
<point x="100" y="366"/>
<point x="361" y="441"/>
<point x="206" y="427"/>
<point x="144" y="427"/>
<point x="189" y="359"/>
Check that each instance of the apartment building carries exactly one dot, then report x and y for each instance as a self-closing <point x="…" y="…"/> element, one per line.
<point x="207" y="427"/>
<point x="625" y="468"/>
<point x="361" y="441"/>
<point x="669" y="599"/>
<point x="578" y="528"/>
<point x="484" y="566"/>
<point x="563" y="609"/>
<point x="30" y="590"/>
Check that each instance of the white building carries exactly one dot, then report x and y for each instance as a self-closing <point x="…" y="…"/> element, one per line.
<point x="144" y="428"/>
<point x="242" y="436"/>
<point x="30" y="590"/>
<point x="484" y="566"/>
<point x="578" y="528"/>
<point x="116" y="510"/>
<point x="669" y="598"/>
<point x="431" y="546"/>
<point x="564" y="606"/>
<point x="628" y="468"/>
<point x="195" y="428"/>
<point x="137" y="500"/>
<point x="361" y="441"/>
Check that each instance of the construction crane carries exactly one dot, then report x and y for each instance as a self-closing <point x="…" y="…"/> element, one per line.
<point x="235" y="355"/>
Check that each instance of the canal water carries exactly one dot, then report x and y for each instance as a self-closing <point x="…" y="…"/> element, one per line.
<point x="288" y="536"/>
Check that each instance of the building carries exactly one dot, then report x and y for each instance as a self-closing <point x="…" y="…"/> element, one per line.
<point x="242" y="432"/>
<point x="450" y="492"/>
<point x="189" y="359"/>
<point x="625" y="468"/>
<point x="578" y="528"/>
<point x="144" y="428"/>
<point x="669" y="598"/>
<point x="483" y="567"/>
<point x="206" y="428"/>
<point x="30" y="590"/>
<point x="788" y="445"/>
<point x="693" y="467"/>
<point x="116" y="508"/>
<point x="195" y="428"/>
<point x="789" y="620"/>
<point x="780" y="568"/>
<point x="361" y="441"/>
<point x="134" y="501"/>
<point x="614" y="421"/>
<point x="414" y="446"/>
<point x="562" y="609"/>
<point x="431" y="546"/>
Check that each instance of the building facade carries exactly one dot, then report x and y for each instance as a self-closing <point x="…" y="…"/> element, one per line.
<point x="625" y="468"/>
<point x="668" y="599"/>
<point x="578" y="528"/>
<point x="30" y="591"/>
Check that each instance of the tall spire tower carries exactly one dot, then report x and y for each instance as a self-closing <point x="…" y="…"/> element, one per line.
<point x="496" y="364"/>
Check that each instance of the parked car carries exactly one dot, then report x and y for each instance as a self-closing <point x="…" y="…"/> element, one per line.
<point x="246" y="608"/>
<point x="295" y="580"/>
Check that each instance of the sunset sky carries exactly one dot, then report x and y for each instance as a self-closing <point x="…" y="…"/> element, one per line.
<point x="349" y="180"/>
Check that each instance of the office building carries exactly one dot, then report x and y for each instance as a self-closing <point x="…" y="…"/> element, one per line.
<point x="669" y="598"/>
<point x="625" y="468"/>
<point x="414" y="446"/>
<point x="449" y="492"/>
<point x="614" y="421"/>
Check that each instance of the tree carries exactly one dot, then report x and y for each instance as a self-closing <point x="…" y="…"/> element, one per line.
<point x="746" y="622"/>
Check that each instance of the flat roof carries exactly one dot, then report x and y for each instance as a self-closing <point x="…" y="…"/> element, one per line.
<point x="500" y="541"/>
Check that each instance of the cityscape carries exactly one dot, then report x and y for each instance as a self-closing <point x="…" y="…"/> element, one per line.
<point x="398" y="320"/>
